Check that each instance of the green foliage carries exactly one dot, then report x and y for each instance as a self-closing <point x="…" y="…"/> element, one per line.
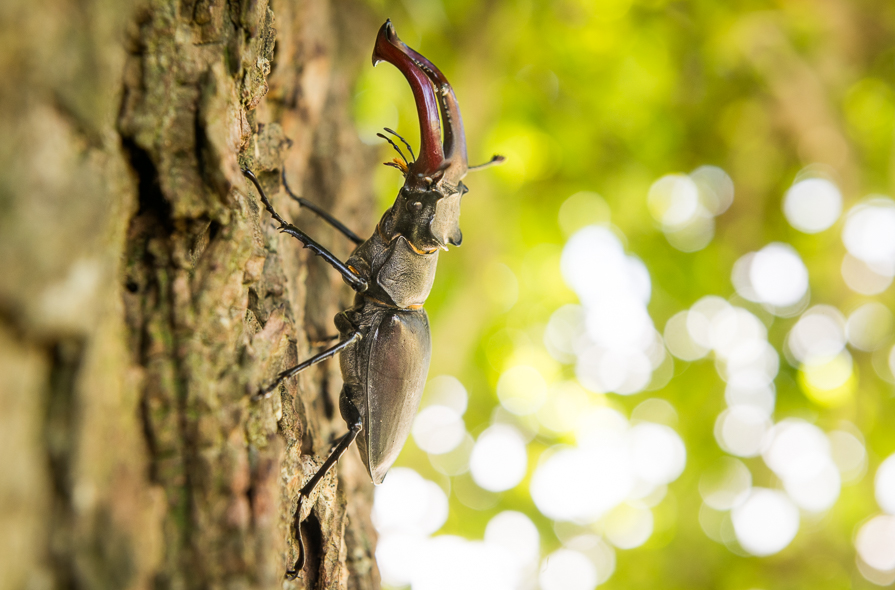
<point x="592" y="102"/>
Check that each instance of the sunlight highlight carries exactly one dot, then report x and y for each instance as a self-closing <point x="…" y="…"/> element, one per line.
<point x="766" y="523"/>
<point x="565" y="569"/>
<point x="869" y="233"/>
<point x="613" y="462"/>
<point x="812" y="205"/>
<point x="685" y="206"/>
<point x="619" y="349"/>
<point x="499" y="459"/>
<point x="799" y="454"/>
<point x="885" y="485"/>
<point x="775" y="276"/>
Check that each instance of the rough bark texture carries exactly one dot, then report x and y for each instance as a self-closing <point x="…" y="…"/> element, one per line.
<point x="145" y="295"/>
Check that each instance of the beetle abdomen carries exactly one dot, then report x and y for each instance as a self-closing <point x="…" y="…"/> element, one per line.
<point x="399" y="351"/>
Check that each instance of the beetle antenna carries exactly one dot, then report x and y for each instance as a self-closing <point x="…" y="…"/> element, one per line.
<point x="494" y="161"/>
<point x="320" y="212"/>
<point x="394" y="145"/>
<point x="412" y="155"/>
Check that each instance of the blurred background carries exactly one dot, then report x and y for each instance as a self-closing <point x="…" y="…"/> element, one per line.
<point x="663" y="356"/>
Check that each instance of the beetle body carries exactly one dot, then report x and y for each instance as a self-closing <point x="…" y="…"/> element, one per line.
<point x="383" y="383"/>
<point x="385" y="341"/>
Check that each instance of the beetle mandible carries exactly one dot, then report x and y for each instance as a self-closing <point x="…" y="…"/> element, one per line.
<point x="384" y="342"/>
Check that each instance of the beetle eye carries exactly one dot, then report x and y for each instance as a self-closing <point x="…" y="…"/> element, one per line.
<point x="415" y="206"/>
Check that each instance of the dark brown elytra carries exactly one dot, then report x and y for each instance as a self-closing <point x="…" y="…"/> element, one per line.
<point x="384" y="341"/>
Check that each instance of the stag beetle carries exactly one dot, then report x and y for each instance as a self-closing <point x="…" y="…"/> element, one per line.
<point x="385" y="343"/>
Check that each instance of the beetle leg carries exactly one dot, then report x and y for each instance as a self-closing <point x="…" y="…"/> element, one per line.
<point x="283" y="375"/>
<point x="354" y="280"/>
<point x="337" y="451"/>
<point x="321" y="213"/>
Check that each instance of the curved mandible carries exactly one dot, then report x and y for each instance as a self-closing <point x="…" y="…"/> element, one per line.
<point x="454" y="134"/>
<point x="389" y="48"/>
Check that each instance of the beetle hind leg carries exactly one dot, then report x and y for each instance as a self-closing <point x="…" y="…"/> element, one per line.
<point x="338" y="449"/>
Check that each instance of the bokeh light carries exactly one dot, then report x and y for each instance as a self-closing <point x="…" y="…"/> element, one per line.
<point x="716" y="189"/>
<point x="819" y="333"/>
<point x="796" y="449"/>
<point x="869" y="233"/>
<point x="612" y="463"/>
<point x="774" y="275"/>
<point x="849" y="455"/>
<point x="522" y="389"/>
<point x="618" y="354"/>
<point x="407" y="503"/>
<point x="565" y="333"/>
<point x="673" y="200"/>
<point x="740" y="430"/>
<point x="438" y="429"/>
<point x="658" y="453"/>
<point x="766" y="522"/>
<point x="865" y="278"/>
<point x="409" y="509"/>
<point x="875" y="540"/>
<point x="628" y="525"/>
<point x="566" y="569"/>
<point x="499" y="459"/>
<point x="828" y="381"/>
<point x="869" y="326"/>
<point x="600" y="553"/>
<point x="885" y="485"/>
<point x="651" y="340"/>
<point x="812" y="205"/>
<point x="876" y="543"/>
<point x="726" y="484"/>
<point x="679" y="340"/>
<point x="447" y="391"/>
<point x="566" y="402"/>
<point x="517" y="534"/>
<point x="685" y="206"/>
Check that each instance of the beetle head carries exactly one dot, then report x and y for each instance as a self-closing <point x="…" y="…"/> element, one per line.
<point x="442" y="163"/>
<point x="427" y="218"/>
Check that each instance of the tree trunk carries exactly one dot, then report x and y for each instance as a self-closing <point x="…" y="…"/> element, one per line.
<point x="145" y="294"/>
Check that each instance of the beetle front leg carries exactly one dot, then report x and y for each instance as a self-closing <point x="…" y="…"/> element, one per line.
<point x="355" y="281"/>
<point x="337" y="451"/>
<point x="283" y="375"/>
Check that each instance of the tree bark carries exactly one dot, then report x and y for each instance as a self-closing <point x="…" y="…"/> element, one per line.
<point x="146" y="295"/>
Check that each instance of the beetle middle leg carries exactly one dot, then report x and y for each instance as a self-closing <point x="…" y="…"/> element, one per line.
<point x="283" y="375"/>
